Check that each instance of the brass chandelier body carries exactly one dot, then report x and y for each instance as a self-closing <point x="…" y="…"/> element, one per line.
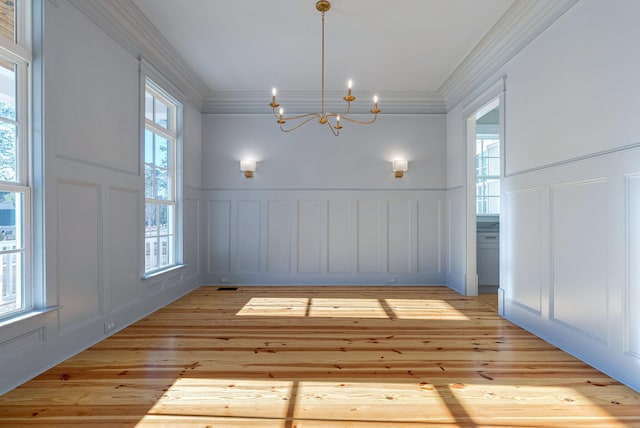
<point x="332" y="120"/>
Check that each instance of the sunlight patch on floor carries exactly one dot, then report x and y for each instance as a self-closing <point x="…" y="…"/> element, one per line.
<point x="225" y="398"/>
<point x="276" y="307"/>
<point x="274" y="402"/>
<point x="487" y="402"/>
<point x="424" y="309"/>
<point x="351" y="308"/>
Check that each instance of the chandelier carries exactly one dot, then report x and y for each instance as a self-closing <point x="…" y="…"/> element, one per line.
<point x="332" y="120"/>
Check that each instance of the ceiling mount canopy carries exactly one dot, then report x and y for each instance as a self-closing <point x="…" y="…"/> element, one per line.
<point x="323" y="6"/>
<point x="332" y="120"/>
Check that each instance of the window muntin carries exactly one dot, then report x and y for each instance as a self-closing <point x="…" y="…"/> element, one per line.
<point x="15" y="194"/>
<point x="160" y="145"/>
<point x="487" y="174"/>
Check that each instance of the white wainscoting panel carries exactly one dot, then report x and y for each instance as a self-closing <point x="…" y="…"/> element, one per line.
<point x="370" y="235"/>
<point x="584" y="215"/>
<point x="279" y="229"/>
<point x="401" y="238"/>
<point x="523" y="237"/>
<point x="219" y="236"/>
<point x="25" y="342"/>
<point x="124" y="259"/>
<point x="326" y="237"/>
<point x="632" y="229"/>
<point x="78" y="254"/>
<point x="340" y="237"/>
<point x="249" y="236"/>
<point x="311" y="236"/>
<point x="430" y="230"/>
<point x="456" y="239"/>
<point x="191" y="230"/>
<point x="579" y="245"/>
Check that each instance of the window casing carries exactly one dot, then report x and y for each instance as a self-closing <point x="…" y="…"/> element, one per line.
<point x="161" y="137"/>
<point x="16" y="293"/>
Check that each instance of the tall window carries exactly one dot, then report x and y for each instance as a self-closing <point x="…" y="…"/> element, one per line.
<point x="15" y="194"/>
<point x="487" y="174"/>
<point x="161" y="204"/>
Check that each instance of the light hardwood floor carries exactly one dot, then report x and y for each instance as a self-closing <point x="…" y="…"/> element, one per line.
<point x="340" y="357"/>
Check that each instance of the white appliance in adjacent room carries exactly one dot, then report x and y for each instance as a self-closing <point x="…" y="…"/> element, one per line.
<point x="488" y="254"/>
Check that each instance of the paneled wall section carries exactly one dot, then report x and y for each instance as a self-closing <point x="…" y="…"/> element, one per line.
<point x="571" y="251"/>
<point x="93" y="203"/>
<point x="326" y="237"/>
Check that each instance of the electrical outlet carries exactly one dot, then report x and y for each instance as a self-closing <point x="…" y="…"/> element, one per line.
<point x="224" y="280"/>
<point x="109" y="325"/>
<point x="392" y="280"/>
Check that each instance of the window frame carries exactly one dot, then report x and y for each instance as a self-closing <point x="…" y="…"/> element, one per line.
<point x="19" y="52"/>
<point x="484" y="179"/>
<point x="173" y="135"/>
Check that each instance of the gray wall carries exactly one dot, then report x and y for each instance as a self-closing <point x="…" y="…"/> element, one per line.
<point x="570" y="234"/>
<point x="572" y="188"/>
<point x="327" y="210"/>
<point x="94" y="197"/>
<point x="322" y="209"/>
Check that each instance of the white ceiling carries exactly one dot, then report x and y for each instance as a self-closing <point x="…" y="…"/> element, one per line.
<point x="384" y="46"/>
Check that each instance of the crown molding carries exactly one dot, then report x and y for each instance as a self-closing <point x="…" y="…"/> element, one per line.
<point x="125" y="23"/>
<point x="525" y="20"/>
<point x="300" y="102"/>
<point x="520" y="25"/>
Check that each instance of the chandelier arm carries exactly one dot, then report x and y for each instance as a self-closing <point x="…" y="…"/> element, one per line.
<point x="361" y="122"/>
<point x="334" y="131"/>
<point x="346" y="112"/>
<point x="300" y="116"/>
<point x="343" y="116"/>
<point x="312" y="116"/>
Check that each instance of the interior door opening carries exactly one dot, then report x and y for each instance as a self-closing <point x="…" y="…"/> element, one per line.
<point x="487" y="195"/>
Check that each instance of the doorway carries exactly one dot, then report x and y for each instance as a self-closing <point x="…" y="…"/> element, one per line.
<point x="487" y="201"/>
<point x="484" y="168"/>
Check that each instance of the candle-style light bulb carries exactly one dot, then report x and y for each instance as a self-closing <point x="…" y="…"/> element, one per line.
<point x="349" y="98"/>
<point x="273" y="104"/>
<point x="281" y="112"/>
<point x="375" y="109"/>
<point x="338" y="127"/>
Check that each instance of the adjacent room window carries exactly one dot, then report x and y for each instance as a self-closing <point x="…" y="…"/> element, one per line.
<point x="487" y="174"/>
<point x="161" y="137"/>
<point x="15" y="193"/>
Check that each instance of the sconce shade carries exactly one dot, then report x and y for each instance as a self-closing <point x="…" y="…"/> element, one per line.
<point x="399" y="167"/>
<point x="248" y="166"/>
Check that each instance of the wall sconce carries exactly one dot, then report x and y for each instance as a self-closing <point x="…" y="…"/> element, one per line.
<point x="248" y="167"/>
<point x="399" y="167"/>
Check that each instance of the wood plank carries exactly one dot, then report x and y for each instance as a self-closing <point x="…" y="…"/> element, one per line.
<point x="323" y="357"/>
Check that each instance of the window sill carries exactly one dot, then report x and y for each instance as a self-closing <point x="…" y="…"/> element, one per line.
<point x="28" y="315"/>
<point x="162" y="272"/>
